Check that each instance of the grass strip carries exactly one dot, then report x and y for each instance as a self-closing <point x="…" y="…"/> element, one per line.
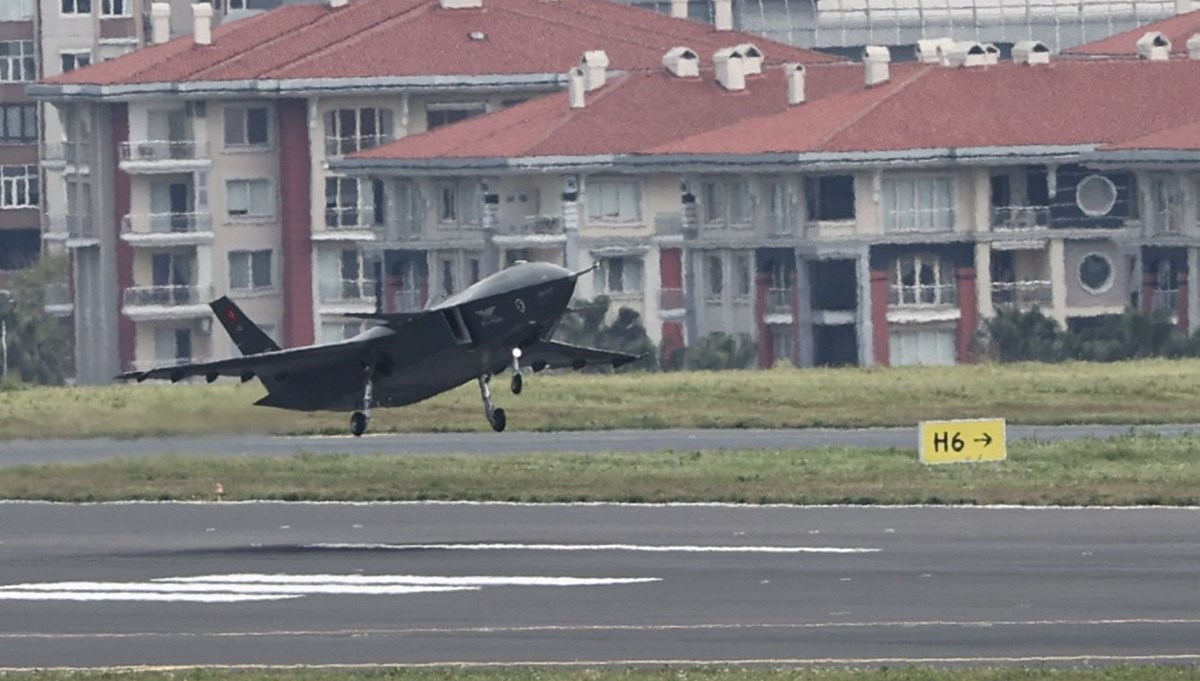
<point x="1131" y="470"/>
<point x="1138" y="392"/>
<point x="1117" y="673"/>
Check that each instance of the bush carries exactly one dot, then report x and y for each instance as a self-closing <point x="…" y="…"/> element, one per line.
<point x="586" y="326"/>
<point x="719" y="351"/>
<point x="1016" y="336"/>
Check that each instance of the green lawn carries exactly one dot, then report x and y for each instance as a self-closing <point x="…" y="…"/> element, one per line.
<point x="1120" y="471"/>
<point x="1147" y="391"/>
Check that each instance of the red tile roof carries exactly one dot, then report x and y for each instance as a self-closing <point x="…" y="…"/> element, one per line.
<point x="1182" y="138"/>
<point x="397" y="38"/>
<point x="1177" y="29"/>
<point x="1067" y="103"/>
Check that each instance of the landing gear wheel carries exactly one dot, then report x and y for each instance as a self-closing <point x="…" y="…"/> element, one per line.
<point x="498" y="420"/>
<point x="517" y="384"/>
<point x="358" y="423"/>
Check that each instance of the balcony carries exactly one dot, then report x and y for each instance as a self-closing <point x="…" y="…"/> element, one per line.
<point x="76" y="230"/>
<point x="146" y="303"/>
<point x="1020" y="218"/>
<point x="779" y="300"/>
<point x="340" y="146"/>
<point x="533" y="231"/>
<point x="346" y="296"/>
<point x="164" y="156"/>
<point x="58" y="301"/>
<point x="61" y="155"/>
<point x="1024" y="295"/>
<point x="167" y="229"/>
<point x="923" y="303"/>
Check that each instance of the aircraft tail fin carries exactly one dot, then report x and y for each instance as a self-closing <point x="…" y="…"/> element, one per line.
<point x="248" y="338"/>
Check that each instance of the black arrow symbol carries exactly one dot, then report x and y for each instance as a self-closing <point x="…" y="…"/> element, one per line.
<point x="986" y="439"/>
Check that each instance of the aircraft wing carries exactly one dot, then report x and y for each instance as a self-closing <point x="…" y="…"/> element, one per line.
<point x="556" y="354"/>
<point x="266" y="364"/>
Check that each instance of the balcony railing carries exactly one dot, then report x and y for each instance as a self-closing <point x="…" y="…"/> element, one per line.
<point x="919" y="220"/>
<point x="340" y="146"/>
<point x="1022" y="294"/>
<point x="539" y="224"/>
<point x="350" y="218"/>
<point x="165" y="296"/>
<point x="163" y="150"/>
<point x="923" y="295"/>
<point x="1167" y="300"/>
<point x="58" y="299"/>
<point x="779" y="300"/>
<point x="74" y="153"/>
<point x="347" y="291"/>
<point x="167" y="223"/>
<point x="74" y="226"/>
<point x="1018" y="218"/>
<point x="408" y="300"/>
<point x="671" y="299"/>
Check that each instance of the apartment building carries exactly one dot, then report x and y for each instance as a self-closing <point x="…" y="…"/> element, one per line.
<point x="20" y="185"/>
<point x="869" y="214"/>
<point x="199" y="165"/>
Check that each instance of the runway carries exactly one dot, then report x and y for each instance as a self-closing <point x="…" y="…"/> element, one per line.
<point x="587" y="442"/>
<point x="366" y="584"/>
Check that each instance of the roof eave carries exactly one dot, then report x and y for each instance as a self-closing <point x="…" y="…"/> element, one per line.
<point x="1156" y="157"/>
<point x="293" y="86"/>
<point x="460" y="166"/>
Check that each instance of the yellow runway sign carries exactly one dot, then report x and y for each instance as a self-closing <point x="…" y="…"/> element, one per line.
<point x="963" y="440"/>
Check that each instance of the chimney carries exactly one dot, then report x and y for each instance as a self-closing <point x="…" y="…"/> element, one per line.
<point x="1183" y="6"/>
<point x="1154" y="46"/>
<point x="992" y="57"/>
<point x="723" y="15"/>
<point x="576" y="87"/>
<point x="752" y="59"/>
<point x="969" y="54"/>
<point x="876" y="59"/>
<point x="334" y="4"/>
<point x="202" y="13"/>
<point x="1193" y="46"/>
<point x="927" y="50"/>
<point x="730" y="71"/>
<point x="679" y="9"/>
<point x="160" y="22"/>
<point x="1030" y="52"/>
<point x="595" y="68"/>
<point x="682" y="62"/>
<point x="460" y="4"/>
<point x="795" y="74"/>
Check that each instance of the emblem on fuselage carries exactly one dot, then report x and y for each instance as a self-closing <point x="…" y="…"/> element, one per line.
<point x="520" y="305"/>
<point x="487" y="316"/>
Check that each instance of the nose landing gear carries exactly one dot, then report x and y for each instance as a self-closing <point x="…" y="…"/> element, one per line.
<point x="359" y="419"/>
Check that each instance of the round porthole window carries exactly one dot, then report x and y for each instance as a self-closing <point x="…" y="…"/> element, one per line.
<point x="1096" y="195"/>
<point x="1096" y="273"/>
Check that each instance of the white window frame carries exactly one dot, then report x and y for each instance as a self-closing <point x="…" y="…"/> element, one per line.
<point x="1166" y="204"/>
<point x="74" y="10"/>
<point x="743" y="280"/>
<point x="459" y="203"/>
<point x="74" y="57"/>
<point x="339" y="142"/>
<point x="942" y="291"/>
<point x="23" y="133"/>
<point x="363" y="208"/>
<point x="902" y="199"/>
<point x="603" y="272"/>
<point x="16" y="10"/>
<point x="609" y="197"/>
<point x="714" y="283"/>
<point x="242" y="112"/>
<point x="249" y="255"/>
<point x="20" y="187"/>
<point x="20" y="67"/>
<point x="233" y="184"/>
<point x="107" y="8"/>
<point x="728" y="202"/>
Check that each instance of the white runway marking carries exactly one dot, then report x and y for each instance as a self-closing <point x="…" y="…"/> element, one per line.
<point x="238" y="588"/>
<point x="594" y="547"/>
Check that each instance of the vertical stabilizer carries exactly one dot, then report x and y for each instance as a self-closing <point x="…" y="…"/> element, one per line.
<point x="248" y="338"/>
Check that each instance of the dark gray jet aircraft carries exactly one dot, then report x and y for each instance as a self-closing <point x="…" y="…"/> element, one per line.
<point x="503" y="321"/>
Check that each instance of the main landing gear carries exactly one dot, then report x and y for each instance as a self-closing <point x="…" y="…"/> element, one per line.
<point x="359" y="419"/>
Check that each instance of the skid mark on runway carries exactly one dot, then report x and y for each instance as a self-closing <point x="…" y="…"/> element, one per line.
<point x="645" y="548"/>
<point x="237" y="588"/>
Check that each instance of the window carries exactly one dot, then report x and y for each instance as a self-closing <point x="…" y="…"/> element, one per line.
<point x="409" y="210"/>
<point x="16" y="10"/>
<point x="447" y="277"/>
<point x="75" y="60"/>
<point x="249" y="198"/>
<point x="1096" y="195"/>
<point x="727" y="202"/>
<point x="249" y="270"/>
<point x="350" y="130"/>
<point x="474" y="270"/>
<point x="353" y="202"/>
<point x="19" y="187"/>
<point x="438" y="115"/>
<point x="114" y="8"/>
<point x="779" y="208"/>
<point x="76" y="6"/>
<point x="1166" y="204"/>
<point x="1096" y="273"/>
<point x="716" y="276"/>
<point x="923" y="280"/>
<point x="17" y="62"/>
<point x="18" y="123"/>
<point x="613" y="200"/>
<point x="459" y="202"/>
<point x="618" y="275"/>
<point x="745" y="275"/>
<point x="247" y="126"/>
<point x="918" y="204"/>
<point x="931" y="347"/>
<point x="830" y="197"/>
